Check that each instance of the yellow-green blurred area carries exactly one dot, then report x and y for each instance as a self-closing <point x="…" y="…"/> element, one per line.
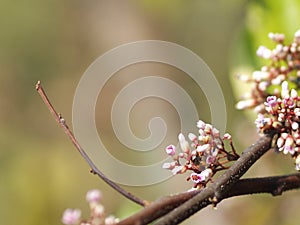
<point x="54" y="41"/>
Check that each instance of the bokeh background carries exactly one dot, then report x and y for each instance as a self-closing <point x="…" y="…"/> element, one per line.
<point x="54" y="41"/>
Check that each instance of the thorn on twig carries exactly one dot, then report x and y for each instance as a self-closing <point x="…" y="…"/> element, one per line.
<point x="214" y="201"/>
<point x="93" y="172"/>
<point x="278" y="191"/>
<point x="38" y="85"/>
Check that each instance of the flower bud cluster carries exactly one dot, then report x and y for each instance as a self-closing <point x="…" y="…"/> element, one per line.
<point x="205" y="156"/>
<point x="97" y="215"/>
<point x="274" y="95"/>
<point x="283" y="114"/>
<point x="284" y="66"/>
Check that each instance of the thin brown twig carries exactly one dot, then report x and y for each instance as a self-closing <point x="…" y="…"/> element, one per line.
<point x="60" y="120"/>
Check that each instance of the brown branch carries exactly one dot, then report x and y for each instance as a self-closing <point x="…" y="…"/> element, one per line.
<point x="275" y="185"/>
<point x="60" y="120"/>
<point x="158" y="208"/>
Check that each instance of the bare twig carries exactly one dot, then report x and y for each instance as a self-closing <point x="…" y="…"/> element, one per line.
<point x="274" y="185"/>
<point x="60" y="120"/>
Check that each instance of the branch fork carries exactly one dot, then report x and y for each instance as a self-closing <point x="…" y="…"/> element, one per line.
<point x="186" y="204"/>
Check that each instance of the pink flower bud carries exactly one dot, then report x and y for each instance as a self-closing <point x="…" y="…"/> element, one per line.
<point x="196" y="178"/>
<point x="264" y="52"/>
<point x="295" y="125"/>
<point x="245" y="104"/>
<point x="243" y="77"/>
<point x="271" y="101"/>
<point x="192" y="137"/>
<point x="206" y="174"/>
<point x="183" y="143"/>
<point x="71" y="216"/>
<point x="93" y="196"/>
<point x="276" y="37"/>
<point x="294" y="93"/>
<point x="216" y="132"/>
<point x="200" y="124"/>
<point x="171" y="150"/>
<point x="297" y="37"/>
<point x="111" y="220"/>
<point x="227" y="136"/>
<point x="280" y="142"/>
<point x="285" y="89"/>
<point x="297" y="162"/>
<point x="203" y="148"/>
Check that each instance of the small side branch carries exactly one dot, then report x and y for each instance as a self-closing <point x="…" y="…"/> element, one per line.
<point x="60" y="120"/>
<point x="275" y="185"/>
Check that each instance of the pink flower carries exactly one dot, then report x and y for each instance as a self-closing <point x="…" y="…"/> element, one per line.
<point x="93" y="196"/>
<point x="71" y="216"/>
<point x="196" y="178"/>
<point x="289" y="102"/>
<point x="271" y="101"/>
<point x="260" y="121"/>
<point x="289" y="145"/>
<point x="204" y="176"/>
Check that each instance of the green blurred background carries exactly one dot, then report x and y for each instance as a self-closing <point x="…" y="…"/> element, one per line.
<point x="54" y="41"/>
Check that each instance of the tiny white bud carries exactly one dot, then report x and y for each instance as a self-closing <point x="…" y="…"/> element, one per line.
<point x="200" y="124"/>
<point x="166" y="166"/>
<point x="192" y="137"/>
<point x="295" y="125"/>
<point x="297" y="36"/>
<point x="245" y="104"/>
<point x="202" y="148"/>
<point x="280" y="142"/>
<point x="227" y="136"/>
<point x="285" y="89"/>
<point x="294" y="93"/>
<point x="243" y="77"/>
<point x="183" y="143"/>
<point x="264" y="52"/>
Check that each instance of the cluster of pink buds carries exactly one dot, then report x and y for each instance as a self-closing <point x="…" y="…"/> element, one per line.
<point x="97" y="215"/>
<point x="284" y="66"/>
<point x="274" y="94"/>
<point x="204" y="155"/>
<point x="283" y="115"/>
